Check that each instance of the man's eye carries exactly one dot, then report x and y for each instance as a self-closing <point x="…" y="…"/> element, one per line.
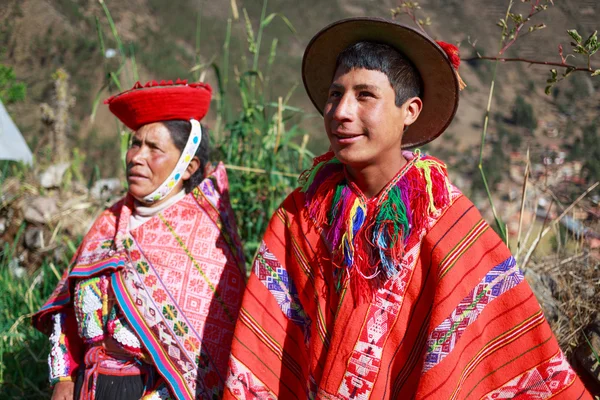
<point x="365" y="94"/>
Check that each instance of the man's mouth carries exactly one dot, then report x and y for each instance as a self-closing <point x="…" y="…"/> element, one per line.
<point x="345" y="137"/>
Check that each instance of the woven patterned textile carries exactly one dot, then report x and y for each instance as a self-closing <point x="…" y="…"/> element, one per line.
<point x="457" y="321"/>
<point x="177" y="280"/>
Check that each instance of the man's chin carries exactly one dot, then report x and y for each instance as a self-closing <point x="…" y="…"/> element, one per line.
<point x="350" y="158"/>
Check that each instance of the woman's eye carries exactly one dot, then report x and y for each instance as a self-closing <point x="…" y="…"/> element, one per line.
<point x="335" y="94"/>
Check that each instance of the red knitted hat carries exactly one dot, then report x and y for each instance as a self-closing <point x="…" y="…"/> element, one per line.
<point x="164" y="101"/>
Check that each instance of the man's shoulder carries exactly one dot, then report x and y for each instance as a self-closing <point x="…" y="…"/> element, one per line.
<point x="294" y="202"/>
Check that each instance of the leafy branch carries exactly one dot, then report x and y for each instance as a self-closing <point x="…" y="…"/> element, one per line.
<point x="512" y="24"/>
<point x="587" y="48"/>
<point x="410" y="8"/>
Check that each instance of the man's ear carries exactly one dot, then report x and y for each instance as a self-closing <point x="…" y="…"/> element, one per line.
<point x="193" y="167"/>
<point x="413" y="109"/>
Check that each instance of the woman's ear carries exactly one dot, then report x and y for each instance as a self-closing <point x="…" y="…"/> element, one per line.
<point x="413" y="109"/>
<point x="191" y="169"/>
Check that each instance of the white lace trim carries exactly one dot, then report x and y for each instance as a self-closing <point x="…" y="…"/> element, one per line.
<point x="126" y="336"/>
<point x="57" y="356"/>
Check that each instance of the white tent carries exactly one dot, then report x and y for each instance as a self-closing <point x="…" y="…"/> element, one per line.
<point x="12" y="144"/>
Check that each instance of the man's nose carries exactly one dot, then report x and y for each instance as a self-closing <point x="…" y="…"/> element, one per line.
<point x="345" y="108"/>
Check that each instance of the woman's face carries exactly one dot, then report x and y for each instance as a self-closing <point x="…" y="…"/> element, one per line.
<point x="150" y="159"/>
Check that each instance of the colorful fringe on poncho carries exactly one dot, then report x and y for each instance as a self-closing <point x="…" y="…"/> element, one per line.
<point x="443" y="310"/>
<point x="368" y="237"/>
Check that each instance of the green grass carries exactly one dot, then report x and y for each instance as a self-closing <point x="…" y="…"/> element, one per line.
<point x="23" y="350"/>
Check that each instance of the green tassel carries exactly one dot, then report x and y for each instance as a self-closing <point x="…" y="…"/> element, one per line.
<point x="394" y="211"/>
<point x="311" y="176"/>
<point x="314" y="171"/>
<point x="336" y="199"/>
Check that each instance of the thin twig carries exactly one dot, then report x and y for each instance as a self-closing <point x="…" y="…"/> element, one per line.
<point x="543" y="232"/>
<point x="523" y="197"/>
<point x="526" y="60"/>
<point x="539" y="238"/>
<point x="573" y="204"/>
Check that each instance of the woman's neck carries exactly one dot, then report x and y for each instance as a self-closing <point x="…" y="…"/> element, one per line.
<point x="148" y="210"/>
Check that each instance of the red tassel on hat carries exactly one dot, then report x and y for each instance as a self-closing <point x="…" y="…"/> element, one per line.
<point x="454" y="57"/>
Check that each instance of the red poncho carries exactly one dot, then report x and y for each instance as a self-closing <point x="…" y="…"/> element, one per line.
<point x="455" y="319"/>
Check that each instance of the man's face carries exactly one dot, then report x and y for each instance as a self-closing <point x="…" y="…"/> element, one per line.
<point x="362" y="121"/>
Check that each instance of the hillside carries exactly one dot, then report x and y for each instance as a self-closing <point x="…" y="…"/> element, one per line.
<point x="40" y="36"/>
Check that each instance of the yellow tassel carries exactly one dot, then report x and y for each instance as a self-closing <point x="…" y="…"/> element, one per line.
<point x="105" y="304"/>
<point x="355" y="206"/>
<point x="425" y="166"/>
<point x="461" y="83"/>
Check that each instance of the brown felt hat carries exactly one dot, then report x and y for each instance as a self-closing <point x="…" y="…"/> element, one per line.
<point x="440" y="82"/>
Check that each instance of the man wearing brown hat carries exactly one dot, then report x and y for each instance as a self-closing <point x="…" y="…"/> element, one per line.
<point x="377" y="278"/>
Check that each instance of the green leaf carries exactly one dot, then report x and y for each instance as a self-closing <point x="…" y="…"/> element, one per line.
<point x="268" y="19"/>
<point x="97" y="101"/>
<point x="568" y="71"/>
<point x="579" y="49"/>
<point x="136" y="76"/>
<point x="596" y="72"/>
<point x="575" y="35"/>
<point x="115" y="80"/>
<point x="591" y="41"/>
<point x="100" y="37"/>
<point x="554" y="73"/>
<point x="517" y="18"/>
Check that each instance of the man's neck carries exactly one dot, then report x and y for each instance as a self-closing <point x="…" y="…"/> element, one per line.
<point x="372" y="179"/>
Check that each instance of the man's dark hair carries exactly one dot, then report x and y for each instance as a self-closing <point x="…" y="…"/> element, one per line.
<point x="403" y="76"/>
<point x="180" y="132"/>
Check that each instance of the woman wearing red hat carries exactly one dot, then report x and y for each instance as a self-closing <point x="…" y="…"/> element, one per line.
<point x="148" y="306"/>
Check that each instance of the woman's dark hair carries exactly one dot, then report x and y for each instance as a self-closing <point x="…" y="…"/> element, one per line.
<point x="401" y="73"/>
<point x="180" y="132"/>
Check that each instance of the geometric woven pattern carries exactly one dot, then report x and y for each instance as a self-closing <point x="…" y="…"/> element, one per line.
<point x="243" y="385"/>
<point x="443" y="339"/>
<point x="276" y="279"/>
<point x="541" y="382"/>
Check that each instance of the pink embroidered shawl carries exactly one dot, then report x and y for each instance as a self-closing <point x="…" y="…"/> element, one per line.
<point x="178" y="278"/>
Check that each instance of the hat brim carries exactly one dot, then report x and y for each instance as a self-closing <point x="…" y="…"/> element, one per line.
<point x="440" y="84"/>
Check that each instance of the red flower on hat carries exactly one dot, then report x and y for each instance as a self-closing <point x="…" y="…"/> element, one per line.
<point x="454" y="57"/>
